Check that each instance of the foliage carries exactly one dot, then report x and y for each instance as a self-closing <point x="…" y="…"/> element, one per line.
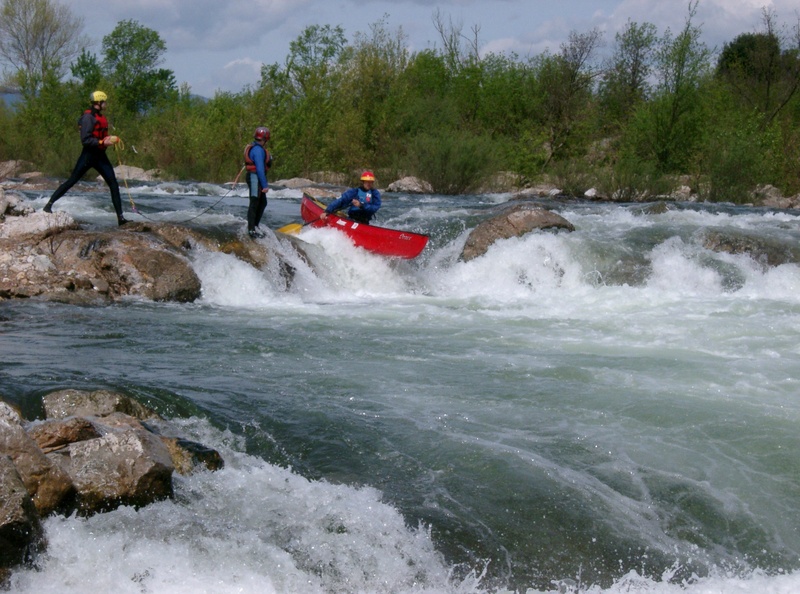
<point x="759" y="73"/>
<point x="625" y="81"/>
<point x="631" y="126"/>
<point x="38" y="38"/>
<point x="452" y="163"/>
<point x="668" y="128"/>
<point x="132" y="54"/>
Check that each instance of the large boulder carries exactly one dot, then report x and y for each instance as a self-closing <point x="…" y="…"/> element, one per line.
<point x="49" y="256"/>
<point x="113" y="264"/>
<point x="515" y="222"/>
<point x="50" y="488"/>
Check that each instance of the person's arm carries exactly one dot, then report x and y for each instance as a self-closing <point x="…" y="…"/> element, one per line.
<point x="87" y="129"/>
<point x="342" y="201"/>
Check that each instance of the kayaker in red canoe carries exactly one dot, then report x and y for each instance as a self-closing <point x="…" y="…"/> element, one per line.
<point x="362" y="202"/>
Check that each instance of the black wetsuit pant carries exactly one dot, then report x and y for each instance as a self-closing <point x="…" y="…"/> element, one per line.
<point x="360" y="217"/>
<point x="258" y="202"/>
<point x="93" y="158"/>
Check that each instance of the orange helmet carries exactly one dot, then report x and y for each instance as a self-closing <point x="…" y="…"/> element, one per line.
<point x="367" y="176"/>
<point x="261" y="133"/>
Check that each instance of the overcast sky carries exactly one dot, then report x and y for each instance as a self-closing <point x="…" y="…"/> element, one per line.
<point x="221" y="44"/>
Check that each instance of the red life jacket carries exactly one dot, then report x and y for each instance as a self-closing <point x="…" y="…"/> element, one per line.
<point x="250" y="165"/>
<point x="100" y="130"/>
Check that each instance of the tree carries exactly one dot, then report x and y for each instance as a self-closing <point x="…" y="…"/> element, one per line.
<point x="38" y="38"/>
<point x="761" y="75"/>
<point x="132" y="54"/>
<point x="669" y="127"/>
<point x="303" y="89"/>
<point x="625" y="80"/>
<point x="86" y="68"/>
<point x="565" y="83"/>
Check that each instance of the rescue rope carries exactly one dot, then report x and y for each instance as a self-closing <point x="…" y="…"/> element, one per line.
<point x="119" y="146"/>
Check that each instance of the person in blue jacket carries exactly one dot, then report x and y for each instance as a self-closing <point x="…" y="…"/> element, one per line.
<point x="362" y="202"/>
<point x="257" y="161"/>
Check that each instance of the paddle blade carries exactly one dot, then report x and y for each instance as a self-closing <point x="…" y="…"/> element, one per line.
<point x="291" y="229"/>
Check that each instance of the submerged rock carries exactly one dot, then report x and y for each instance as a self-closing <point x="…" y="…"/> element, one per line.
<point x="767" y="252"/>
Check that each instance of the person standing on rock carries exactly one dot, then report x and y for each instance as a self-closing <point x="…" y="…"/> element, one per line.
<point x="93" y="126"/>
<point x="257" y="161"/>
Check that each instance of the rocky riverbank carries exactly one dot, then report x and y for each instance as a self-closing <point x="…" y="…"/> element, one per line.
<point x="92" y="452"/>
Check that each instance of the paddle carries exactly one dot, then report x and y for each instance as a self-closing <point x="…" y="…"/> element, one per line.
<point x="294" y="228"/>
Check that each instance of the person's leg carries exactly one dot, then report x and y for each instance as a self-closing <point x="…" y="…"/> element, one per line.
<point x="106" y="170"/>
<point x="262" y="206"/>
<point x="361" y="217"/>
<point x="81" y="167"/>
<point x="252" y="210"/>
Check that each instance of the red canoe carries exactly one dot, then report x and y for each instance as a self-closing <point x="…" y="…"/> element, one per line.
<point x="383" y="241"/>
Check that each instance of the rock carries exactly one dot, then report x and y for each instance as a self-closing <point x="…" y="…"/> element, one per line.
<point x="100" y="403"/>
<point x="50" y="487"/>
<point x="48" y="255"/>
<point x="13" y="205"/>
<point x="21" y="533"/>
<point x="115" y="263"/>
<point x="187" y="456"/>
<point x="126" y="466"/>
<point x="538" y="191"/>
<point x="126" y="172"/>
<point x="410" y="185"/>
<point x="295" y="183"/>
<point x="766" y="252"/>
<point x="14" y="168"/>
<point x="36" y="225"/>
<point x="54" y="434"/>
<point x="517" y="221"/>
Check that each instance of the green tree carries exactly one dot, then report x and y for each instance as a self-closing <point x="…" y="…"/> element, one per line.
<point x="625" y="80"/>
<point x="668" y="129"/>
<point x="38" y="38"/>
<point x="565" y="84"/>
<point x="131" y="56"/>
<point x="86" y="68"/>
<point x="759" y="72"/>
<point x="303" y="91"/>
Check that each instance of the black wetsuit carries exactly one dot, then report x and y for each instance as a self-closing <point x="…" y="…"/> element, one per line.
<point x="93" y="156"/>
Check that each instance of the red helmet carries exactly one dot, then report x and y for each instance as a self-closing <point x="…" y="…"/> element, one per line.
<point x="367" y="176"/>
<point x="261" y="133"/>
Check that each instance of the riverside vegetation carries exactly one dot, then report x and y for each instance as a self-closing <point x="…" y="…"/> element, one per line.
<point x="657" y="110"/>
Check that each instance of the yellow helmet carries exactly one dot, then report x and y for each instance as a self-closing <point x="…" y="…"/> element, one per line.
<point x="98" y="96"/>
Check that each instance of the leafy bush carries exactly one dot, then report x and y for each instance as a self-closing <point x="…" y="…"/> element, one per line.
<point x="453" y="163"/>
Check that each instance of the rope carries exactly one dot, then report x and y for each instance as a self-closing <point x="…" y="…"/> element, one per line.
<point x="120" y="146"/>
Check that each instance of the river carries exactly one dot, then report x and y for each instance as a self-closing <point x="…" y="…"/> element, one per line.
<point x="609" y="410"/>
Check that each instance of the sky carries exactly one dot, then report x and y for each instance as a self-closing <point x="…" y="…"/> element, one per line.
<point x="220" y="45"/>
